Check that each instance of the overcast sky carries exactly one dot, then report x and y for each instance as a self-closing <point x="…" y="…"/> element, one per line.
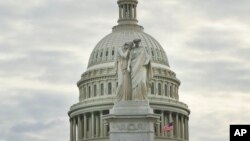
<point x="45" y="46"/>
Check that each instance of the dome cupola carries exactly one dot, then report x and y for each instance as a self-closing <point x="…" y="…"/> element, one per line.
<point x="127" y="11"/>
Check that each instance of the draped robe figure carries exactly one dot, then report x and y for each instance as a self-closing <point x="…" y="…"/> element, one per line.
<point x="141" y="71"/>
<point x="124" y="92"/>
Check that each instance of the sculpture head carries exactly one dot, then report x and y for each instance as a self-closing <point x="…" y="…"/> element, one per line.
<point x="137" y="42"/>
<point x="128" y="45"/>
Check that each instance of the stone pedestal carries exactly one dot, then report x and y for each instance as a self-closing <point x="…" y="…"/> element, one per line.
<point x="131" y="121"/>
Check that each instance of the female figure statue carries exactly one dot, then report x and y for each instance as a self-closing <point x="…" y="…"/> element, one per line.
<point x="124" y="90"/>
<point x="141" y="71"/>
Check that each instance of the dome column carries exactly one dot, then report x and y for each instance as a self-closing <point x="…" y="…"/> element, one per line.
<point x="187" y="128"/>
<point x="162" y="123"/>
<point x="165" y="123"/>
<point x="97" y="126"/>
<point x="71" y="130"/>
<point x="101" y="124"/>
<point x="74" y="129"/>
<point x="85" y="126"/>
<point x="182" y="128"/>
<point x="79" y="127"/>
<point x="170" y="120"/>
<point x="176" y="126"/>
<point x="92" y="125"/>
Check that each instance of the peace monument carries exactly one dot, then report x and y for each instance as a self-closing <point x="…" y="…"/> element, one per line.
<point x="128" y="92"/>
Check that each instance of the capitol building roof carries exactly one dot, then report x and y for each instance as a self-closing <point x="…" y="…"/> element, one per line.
<point x="105" y="50"/>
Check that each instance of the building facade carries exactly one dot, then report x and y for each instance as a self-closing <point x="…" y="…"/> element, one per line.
<point x="97" y="86"/>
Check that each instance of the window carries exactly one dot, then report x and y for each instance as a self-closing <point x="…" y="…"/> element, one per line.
<point x="107" y="53"/>
<point x="166" y="90"/>
<point x="94" y="90"/>
<point x="171" y="91"/>
<point x="159" y="88"/>
<point x="152" y="89"/>
<point x="109" y="88"/>
<point x="152" y="53"/>
<point x="113" y="52"/>
<point x="96" y="55"/>
<point x="101" y="54"/>
<point x="89" y="92"/>
<point x="102" y="89"/>
<point x="84" y="93"/>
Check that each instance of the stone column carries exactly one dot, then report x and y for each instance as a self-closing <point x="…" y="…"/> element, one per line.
<point x="85" y="126"/>
<point x="124" y="11"/>
<point x="168" y="91"/>
<point x="135" y="13"/>
<point x="182" y="133"/>
<point x="71" y="130"/>
<point x="101" y="124"/>
<point x="120" y="13"/>
<point x="158" y="130"/>
<point x="97" y="126"/>
<point x="177" y="126"/>
<point x="170" y="120"/>
<point x="187" y="130"/>
<point x="127" y="7"/>
<point x="92" y="125"/>
<point x="74" y="129"/>
<point x="130" y="10"/>
<point x="162" y="123"/>
<point x="79" y="127"/>
<point x="165" y="123"/>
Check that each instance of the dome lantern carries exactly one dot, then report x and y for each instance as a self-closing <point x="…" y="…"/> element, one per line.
<point x="127" y="11"/>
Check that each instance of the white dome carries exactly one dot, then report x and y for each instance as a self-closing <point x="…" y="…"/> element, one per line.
<point x="105" y="50"/>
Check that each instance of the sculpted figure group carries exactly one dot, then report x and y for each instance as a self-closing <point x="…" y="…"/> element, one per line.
<point x="134" y="72"/>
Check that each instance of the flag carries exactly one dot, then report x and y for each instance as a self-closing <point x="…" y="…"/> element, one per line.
<point x="169" y="127"/>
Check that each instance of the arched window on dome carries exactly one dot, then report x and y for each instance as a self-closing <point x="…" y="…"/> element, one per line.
<point x="95" y="92"/>
<point x="84" y="93"/>
<point x="107" y="53"/>
<point x="89" y="92"/>
<point x="152" y="89"/>
<point x="102" y="89"/>
<point x="152" y="53"/>
<point x="96" y="55"/>
<point x="101" y="55"/>
<point x="159" y="88"/>
<point x="171" y="90"/>
<point x="109" y="88"/>
<point x="166" y="90"/>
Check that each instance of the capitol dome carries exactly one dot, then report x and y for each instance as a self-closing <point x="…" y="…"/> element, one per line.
<point x="97" y="86"/>
<point x="105" y="50"/>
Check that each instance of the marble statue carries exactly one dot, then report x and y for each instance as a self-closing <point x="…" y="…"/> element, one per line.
<point x="141" y="71"/>
<point x="124" y="89"/>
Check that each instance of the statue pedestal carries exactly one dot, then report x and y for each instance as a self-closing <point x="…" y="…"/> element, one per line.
<point x="131" y="121"/>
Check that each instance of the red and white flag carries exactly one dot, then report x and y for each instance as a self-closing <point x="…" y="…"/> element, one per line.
<point x="169" y="127"/>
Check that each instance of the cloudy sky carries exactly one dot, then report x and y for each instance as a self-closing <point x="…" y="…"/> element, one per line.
<point x="45" y="46"/>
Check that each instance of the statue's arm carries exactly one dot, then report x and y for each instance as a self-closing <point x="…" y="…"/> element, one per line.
<point x="129" y="62"/>
<point x="147" y="58"/>
<point x="122" y="54"/>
